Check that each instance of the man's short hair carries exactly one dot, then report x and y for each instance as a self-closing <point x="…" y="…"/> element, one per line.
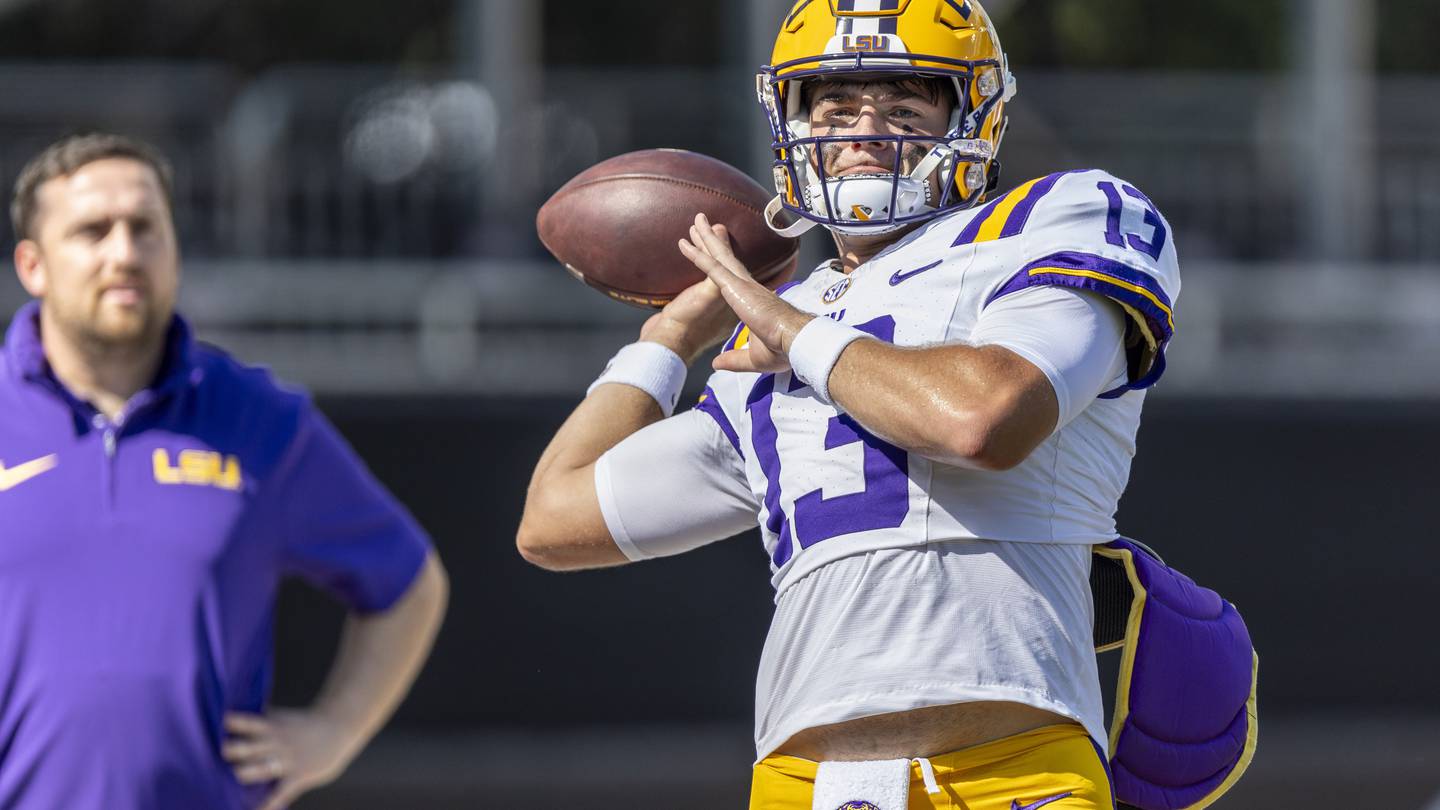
<point x="66" y="156"/>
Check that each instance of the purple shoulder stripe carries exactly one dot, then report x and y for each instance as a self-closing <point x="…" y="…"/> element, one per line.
<point x="972" y="231"/>
<point x="1018" y="217"/>
<point x="1114" y="279"/>
<point x="710" y="404"/>
<point x="1070" y="268"/>
<point x="1139" y="292"/>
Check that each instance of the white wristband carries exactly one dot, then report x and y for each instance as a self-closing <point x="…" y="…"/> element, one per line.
<point x="816" y="349"/>
<point x="652" y="368"/>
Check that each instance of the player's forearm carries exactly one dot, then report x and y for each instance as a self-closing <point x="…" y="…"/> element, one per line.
<point x="979" y="407"/>
<point x="612" y="412"/>
<point x="601" y="421"/>
<point x="562" y="527"/>
<point x="380" y="655"/>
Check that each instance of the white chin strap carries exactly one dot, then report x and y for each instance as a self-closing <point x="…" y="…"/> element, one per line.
<point x="863" y="200"/>
<point x="775" y="214"/>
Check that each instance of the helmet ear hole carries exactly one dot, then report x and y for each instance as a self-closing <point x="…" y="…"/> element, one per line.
<point x="992" y="176"/>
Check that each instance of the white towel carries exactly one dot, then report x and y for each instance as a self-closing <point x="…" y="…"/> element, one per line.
<point x="877" y="785"/>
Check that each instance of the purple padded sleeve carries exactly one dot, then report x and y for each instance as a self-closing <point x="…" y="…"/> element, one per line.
<point x="1189" y="731"/>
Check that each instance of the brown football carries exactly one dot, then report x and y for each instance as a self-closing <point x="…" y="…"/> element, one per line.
<point x="615" y="225"/>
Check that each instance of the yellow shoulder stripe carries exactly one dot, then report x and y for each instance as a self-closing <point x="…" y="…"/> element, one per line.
<point x="995" y="222"/>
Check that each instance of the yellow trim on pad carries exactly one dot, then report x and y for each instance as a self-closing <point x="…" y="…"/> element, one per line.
<point x="1252" y="740"/>
<point x="1114" y="645"/>
<point x="1140" y="320"/>
<point x="1132" y="633"/>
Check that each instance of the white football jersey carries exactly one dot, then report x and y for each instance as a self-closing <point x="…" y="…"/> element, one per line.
<point x="828" y="489"/>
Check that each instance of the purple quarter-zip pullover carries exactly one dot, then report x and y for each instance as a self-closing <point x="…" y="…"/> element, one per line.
<point x="139" y="561"/>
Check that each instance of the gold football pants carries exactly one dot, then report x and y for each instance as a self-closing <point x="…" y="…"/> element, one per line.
<point x="1054" y="768"/>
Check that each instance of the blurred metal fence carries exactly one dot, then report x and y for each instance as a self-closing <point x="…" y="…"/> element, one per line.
<point x="363" y="162"/>
<point x="505" y="328"/>
<point x="337" y="220"/>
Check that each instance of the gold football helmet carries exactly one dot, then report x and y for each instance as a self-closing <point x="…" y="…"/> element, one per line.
<point x="885" y="39"/>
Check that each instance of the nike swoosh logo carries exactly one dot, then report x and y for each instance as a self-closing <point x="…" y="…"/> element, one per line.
<point x="11" y="477"/>
<point x="899" y="277"/>
<point x="1016" y="805"/>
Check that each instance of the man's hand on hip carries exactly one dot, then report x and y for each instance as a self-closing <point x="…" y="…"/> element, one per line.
<point x="296" y="750"/>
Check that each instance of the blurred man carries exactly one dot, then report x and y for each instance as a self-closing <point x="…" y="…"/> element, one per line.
<point x="153" y="492"/>
<point x="933" y="429"/>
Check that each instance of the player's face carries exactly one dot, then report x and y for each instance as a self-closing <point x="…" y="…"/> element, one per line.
<point x="108" y="266"/>
<point x="874" y="108"/>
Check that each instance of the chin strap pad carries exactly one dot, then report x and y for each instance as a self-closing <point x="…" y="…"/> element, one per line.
<point x="775" y="216"/>
<point x="1184" y="729"/>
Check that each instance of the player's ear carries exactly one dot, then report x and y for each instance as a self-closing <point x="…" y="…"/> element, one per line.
<point x="30" y="268"/>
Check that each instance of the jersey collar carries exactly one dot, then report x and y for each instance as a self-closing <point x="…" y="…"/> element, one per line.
<point x="25" y="354"/>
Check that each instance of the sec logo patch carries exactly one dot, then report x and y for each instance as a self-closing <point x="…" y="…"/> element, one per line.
<point x="857" y="806"/>
<point x="836" y="290"/>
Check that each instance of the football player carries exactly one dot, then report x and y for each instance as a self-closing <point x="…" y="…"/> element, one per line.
<point x="931" y="430"/>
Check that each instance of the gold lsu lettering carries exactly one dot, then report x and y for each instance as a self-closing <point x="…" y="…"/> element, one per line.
<point x="197" y="467"/>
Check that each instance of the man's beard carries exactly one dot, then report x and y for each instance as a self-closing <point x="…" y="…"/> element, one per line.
<point x="110" y="334"/>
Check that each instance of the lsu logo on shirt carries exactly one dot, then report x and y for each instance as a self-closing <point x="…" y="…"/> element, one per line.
<point x="197" y="468"/>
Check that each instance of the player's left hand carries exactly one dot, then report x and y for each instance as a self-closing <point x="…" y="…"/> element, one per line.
<point x="772" y="322"/>
<point x="294" y="749"/>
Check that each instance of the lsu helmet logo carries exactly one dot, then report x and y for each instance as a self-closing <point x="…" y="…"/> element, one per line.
<point x="866" y="42"/>
<point x="197" y="468"/>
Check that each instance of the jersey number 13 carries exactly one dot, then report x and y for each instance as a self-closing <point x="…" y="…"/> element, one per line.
<point x="882" y="504"/>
